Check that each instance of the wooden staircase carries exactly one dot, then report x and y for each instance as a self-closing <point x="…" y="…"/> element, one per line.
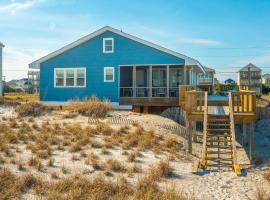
<point x="219" y="145"/>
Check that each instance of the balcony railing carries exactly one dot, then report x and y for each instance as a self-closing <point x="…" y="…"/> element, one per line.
<point x="205" y="80"/>
<point x="154" y="92"/>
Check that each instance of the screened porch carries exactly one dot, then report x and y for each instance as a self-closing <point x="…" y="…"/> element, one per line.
<point x="157" y="81"/>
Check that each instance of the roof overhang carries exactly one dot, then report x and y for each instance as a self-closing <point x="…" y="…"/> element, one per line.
<point x="188" y="60"/>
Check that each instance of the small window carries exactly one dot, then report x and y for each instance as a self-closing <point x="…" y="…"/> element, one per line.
<point x="108" y="74"/>
<point x="59" y="73"/>
<point x="108" y="45"/>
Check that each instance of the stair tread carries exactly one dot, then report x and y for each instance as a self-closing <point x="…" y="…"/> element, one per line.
<point x="216" y="146"/>
<point x="218" y="135"/>
<point x="218" y="159"/>
<point x="218" y="152"/>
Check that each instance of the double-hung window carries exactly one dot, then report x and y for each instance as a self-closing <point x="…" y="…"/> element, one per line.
<point x="108" y="45"/>
<point x="70" y="77"/>
<point x="108" y="74"/>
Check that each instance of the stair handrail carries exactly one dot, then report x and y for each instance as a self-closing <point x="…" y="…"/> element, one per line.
<point x="205" y="122"/>
<point x="235" y="166"/>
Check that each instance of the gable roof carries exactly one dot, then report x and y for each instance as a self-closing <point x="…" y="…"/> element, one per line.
<point x="265" y="75"/>
<point x="250" y="66"/>
<point x="208" y="69"/>
<point x="188" y="60"/>
<point x="229" y="80"/>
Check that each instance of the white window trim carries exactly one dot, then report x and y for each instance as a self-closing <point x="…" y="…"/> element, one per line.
<point x="75" y="77"/>
<point x="105" y="68"/>
<point x="104" y="49"/>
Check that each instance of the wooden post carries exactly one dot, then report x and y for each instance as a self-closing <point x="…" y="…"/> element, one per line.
<point x="134" y="81"/>
<point x="244" y="135"/>
<point x="189" y="139"/>
<point x="194" y="131"/>
<point x="168" y="80"/>
<point x="251" y="142"/>
<point x="150" y="80"/>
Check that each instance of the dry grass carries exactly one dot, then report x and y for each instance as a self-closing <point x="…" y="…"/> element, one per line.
<point x="115" y="165"/>
<point x="32" y="109"/>
<point x="36" y="163"/>
<point x="92" y="107"/>
<point x="79" y="187"/>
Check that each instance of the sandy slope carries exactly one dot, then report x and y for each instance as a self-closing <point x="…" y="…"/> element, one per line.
<point x="208" y="185"/>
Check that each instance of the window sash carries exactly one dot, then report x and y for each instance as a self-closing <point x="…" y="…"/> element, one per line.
<point x="108" y="45"/>
<point x="70" y="77"/>
<point x="108" y="74"/>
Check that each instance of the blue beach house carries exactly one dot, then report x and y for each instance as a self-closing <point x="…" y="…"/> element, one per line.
<point x="109" y="63"/>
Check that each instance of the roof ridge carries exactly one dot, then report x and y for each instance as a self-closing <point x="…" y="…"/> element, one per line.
<point x="188" y="60"/>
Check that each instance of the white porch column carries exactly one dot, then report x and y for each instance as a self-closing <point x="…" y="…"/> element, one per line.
<point x="134" y="81"/>
<point x="168" y="80"/>
<point x="150" y="80"/>
<point x="1" y="69"/>
<point x="185" y="75"/>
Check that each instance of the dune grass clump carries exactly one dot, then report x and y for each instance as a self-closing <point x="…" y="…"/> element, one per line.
<point x="31" y="109"/>
<point x="115" y="165"/>
<point x="80" y="187"/>
<point x="93" y="107"/>
<point x="36" y="163"/>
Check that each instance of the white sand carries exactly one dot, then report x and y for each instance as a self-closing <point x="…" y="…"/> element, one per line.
<point x="212" y="185"/>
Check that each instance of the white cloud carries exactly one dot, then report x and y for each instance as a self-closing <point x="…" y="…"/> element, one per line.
<point x="15" y="61"/>
<point x="200" y="41"/>
<point x="14" y="6"/>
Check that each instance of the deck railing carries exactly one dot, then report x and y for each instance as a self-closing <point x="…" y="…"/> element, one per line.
<point x="149" y="92"/>
<point x="244" y="102"/>
<point x="182" y="93"/>
<point x="194" y="102"/>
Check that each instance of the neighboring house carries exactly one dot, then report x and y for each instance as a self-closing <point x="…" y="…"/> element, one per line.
<point x="206" y="80"/>
<point x="21" y="84"/>
<point x="229" y="81"/>
<point x="33" y="78"/>
<point x="112" y="64"/>
<point x="216" y="81"/>
<point x="266" y="79"/>
<point x="250" y="76"/>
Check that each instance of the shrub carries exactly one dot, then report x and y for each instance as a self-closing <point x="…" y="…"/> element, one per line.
<point x="32" y="109"/>
<point x="93" y="107"/>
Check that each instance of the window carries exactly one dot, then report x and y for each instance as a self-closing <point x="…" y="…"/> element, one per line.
<point x="59" y="77"/>
<point x="69" y="77"/>
<point x="80" y="77"/>
<point x="108" y="45"/>
<point x="108" y="74"/>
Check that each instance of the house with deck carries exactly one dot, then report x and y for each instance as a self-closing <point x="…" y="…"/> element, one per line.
<point x="250" y="76"/>
<point x="125" y="69"/>
<point x="206" y="79"/>
<point x="266" y="79"/>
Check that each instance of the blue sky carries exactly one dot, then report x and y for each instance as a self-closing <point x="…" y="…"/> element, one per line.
<point x="222" y="34"/>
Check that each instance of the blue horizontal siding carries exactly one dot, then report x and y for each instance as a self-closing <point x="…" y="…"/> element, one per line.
<point x="90" y="55"/>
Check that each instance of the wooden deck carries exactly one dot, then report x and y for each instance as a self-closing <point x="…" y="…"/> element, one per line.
<point x="137" y="101"/>
<point x="238" y="107"/>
